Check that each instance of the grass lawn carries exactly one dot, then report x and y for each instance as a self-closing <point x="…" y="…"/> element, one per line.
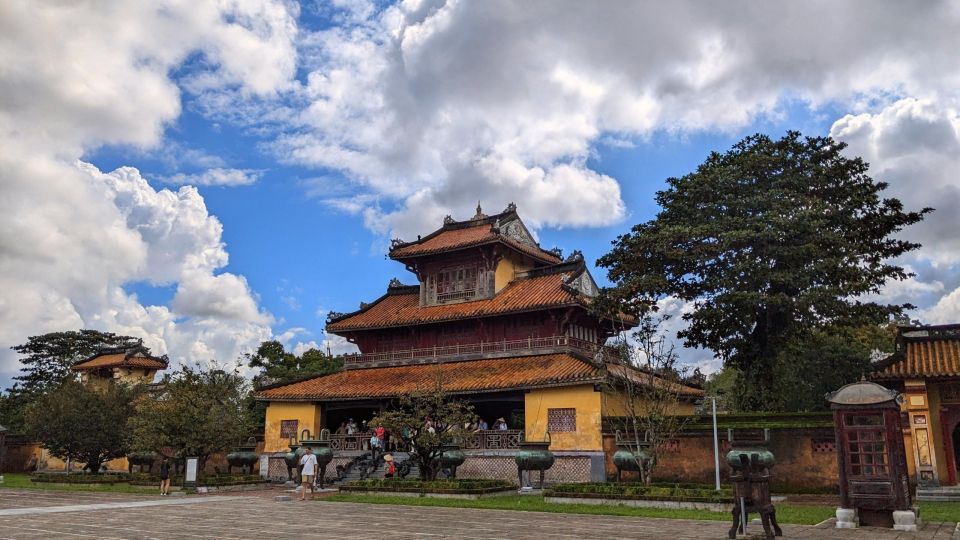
<point x="940" y="511"/>
<point x="19" y="480"/>
<point x="786" y="513"/>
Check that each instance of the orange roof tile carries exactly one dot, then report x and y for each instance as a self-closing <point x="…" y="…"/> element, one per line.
<point x="641" y="377"/>
<point x="489" y="375"/>
<point x="403" y="308"/>
<point x="463" y="234"/>
<point x="447" y="240"/>
<point x="923" y="359"/>
<point x="120" y="359"/>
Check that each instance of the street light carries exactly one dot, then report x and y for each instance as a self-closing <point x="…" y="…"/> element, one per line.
<point x="716" y="440"/>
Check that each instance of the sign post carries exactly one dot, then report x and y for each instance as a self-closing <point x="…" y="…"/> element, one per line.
<point x="190" y="473"/>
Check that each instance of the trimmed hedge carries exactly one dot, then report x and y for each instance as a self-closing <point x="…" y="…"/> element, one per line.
<point x="597" y="490"/>
<point x="466" y="487"/>
<point x="212" y="480"/>
<point x="78" y="478"/>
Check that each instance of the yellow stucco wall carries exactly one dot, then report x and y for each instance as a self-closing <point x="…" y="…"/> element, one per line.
<point x="615" y="404"/>
<point x="582" y="398"/>
<point x="307" y="416"/>
<point x="131" y="376"/>
<point x="507" y="269"/>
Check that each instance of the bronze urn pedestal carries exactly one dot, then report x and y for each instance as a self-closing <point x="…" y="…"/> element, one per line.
<point x="534" y="456"/>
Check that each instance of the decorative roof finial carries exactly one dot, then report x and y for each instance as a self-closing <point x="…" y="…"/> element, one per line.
<point x="480" y="214"/>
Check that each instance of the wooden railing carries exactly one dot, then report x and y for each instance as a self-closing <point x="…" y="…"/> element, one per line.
<point x="448" y="352"/>
<point x="492" y="439"/>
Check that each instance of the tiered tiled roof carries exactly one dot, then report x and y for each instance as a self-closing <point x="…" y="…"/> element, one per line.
<point x="545" y="288"/>
<point x="488" y="375"/>
<point x="120" y="358"/>
<point x="923" y="352"/>
<point x="480" y="230"/>
<point x="467" y="377"/>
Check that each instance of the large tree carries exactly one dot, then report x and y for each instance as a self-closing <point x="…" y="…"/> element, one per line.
<point x="83" y="423"/>
<point x="769" y="241"/>
<point x="196" y="413"/>
<point x="45" y="364"/>
<point x="278" y="365"/>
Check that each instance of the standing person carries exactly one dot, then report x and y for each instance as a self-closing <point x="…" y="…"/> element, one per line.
<point x="308" y="468"/>
<point x="483" y="426"/>
<point x="164" y="477"/>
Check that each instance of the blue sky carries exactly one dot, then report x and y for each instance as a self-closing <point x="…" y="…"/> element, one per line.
<point x="217" y="175"/>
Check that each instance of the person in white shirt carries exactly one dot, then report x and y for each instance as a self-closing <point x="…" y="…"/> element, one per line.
<point x="308" y="468"/>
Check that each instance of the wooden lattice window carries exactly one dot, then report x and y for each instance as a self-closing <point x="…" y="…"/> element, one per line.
<point x="560" y="420"/>
<point x="866" y="445"/>
<point x="288" y="428"/>
<point x="823" y="446"/>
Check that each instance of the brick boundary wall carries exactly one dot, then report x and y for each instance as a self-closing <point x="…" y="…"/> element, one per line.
<point x="806" y="459"/>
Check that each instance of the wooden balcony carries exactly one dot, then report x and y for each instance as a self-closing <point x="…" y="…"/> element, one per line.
<point x="483" y="349"/>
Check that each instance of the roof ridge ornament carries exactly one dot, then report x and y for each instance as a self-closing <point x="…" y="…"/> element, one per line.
<point x="394" y="283"/>
<point x="448" y="220"/>
<point x="479" y="215"/>
<point x="510" y="207"/>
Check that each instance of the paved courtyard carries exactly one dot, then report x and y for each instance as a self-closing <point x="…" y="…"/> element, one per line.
<point x="43" y="514"/>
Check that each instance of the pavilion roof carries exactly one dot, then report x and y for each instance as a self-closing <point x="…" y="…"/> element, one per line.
<point x="464" y="377"/>
<point x="134" y="357"/>
<point x="505" y="228"/>
<point x="547" y="287"/>
<point x="488" y="375"/>
<point x="923" y="352"/>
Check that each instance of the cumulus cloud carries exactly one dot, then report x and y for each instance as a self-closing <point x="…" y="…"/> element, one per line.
<point x="217" y="177"/>
<point x="914" y="144"/>
<point x="428" y="106"/>
<point x="78" y="76"/>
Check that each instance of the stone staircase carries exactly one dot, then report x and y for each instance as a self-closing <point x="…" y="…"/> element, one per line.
<point x="361" y="470"/>
<point x="939" y="494"/>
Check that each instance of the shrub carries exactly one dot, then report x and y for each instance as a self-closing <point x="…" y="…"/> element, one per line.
<point x="638" y="491"/>
<point x="430" y="486"/>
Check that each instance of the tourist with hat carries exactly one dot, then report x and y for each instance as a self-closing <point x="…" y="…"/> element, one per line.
<point x="391" y="466"/>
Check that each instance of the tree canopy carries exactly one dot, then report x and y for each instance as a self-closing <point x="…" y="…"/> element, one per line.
<point x="45" y="364"/>
<point x="277" y="365"/>
<point x="83" y="423"/>
<point x="198" y="412"/>
<point x="770" y="241"/>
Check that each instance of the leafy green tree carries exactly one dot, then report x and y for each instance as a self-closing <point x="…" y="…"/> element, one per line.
<point x="427" y="422"/>
<point x="83" y="423"/>
<point x="277" y="365"/>
<point x="825" y="360"/>
<point x="771" y="241"/>
<point x="46" y="361"/>
<point x="198" y="412"/>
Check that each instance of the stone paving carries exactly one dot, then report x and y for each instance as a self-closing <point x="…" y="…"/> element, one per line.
<point x="256" y="515"/>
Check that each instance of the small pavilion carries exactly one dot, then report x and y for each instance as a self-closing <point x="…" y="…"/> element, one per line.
<point x="925" y="367"/>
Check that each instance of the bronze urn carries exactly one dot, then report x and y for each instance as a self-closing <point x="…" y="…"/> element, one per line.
<point x="534" y="456"/>
<point x="244" y="456"/>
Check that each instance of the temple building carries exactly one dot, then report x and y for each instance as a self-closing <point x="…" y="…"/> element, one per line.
<point x="502" y="323"/>
<point x="925" y="367"/>
<point x="134" y="365"/>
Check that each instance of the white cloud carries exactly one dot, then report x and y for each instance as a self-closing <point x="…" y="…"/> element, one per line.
<point x="429" y="106"/>
<point x="77" y="76"/>
<point x="217" y="177"/>
<point x="914" y="144"/>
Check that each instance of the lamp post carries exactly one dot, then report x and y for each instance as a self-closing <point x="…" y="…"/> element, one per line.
<point x="716" y="440"/>
<point x="716" y="446"/>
